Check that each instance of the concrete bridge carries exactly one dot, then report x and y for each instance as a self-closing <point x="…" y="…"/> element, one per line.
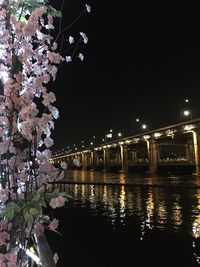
<point x="146" y="150"/>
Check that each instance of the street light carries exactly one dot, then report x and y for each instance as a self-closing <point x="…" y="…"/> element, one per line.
<point x="82" y="143"/>
<point x="187" y="113"/>
<point x="137" y="120"/>
<point x="144" y="126"/>
<point x="140" y="124"/>
<point x="185" y="109"/>
<point x="109" y="135"/>
<point x="93" y="140"/>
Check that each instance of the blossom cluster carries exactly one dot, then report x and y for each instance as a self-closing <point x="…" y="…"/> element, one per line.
<point x="28" y="62"/>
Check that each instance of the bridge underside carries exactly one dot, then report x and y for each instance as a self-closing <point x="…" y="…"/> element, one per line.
<point x="173" y="148"/>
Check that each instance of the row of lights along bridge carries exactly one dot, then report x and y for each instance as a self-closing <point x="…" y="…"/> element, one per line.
<point x="185" y="113"/>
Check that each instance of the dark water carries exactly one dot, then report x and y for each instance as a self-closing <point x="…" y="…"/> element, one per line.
<point x="115" y="220"/>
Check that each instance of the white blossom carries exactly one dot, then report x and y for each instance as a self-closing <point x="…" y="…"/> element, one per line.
<point x="68" y="58"/>
<point x="88" y="8"/>
<point x="71" y="39"/>
<point x="63" y="165"/>
<point x="81" y="56"/>
<point x="84" y="36"/>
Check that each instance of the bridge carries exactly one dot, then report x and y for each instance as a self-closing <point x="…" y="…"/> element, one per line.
<point x="144" y="150"/>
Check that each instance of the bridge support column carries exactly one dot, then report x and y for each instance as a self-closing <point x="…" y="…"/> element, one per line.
<point x="134" y="158"/>
<point x="96" y="160"/>
<point x="189" y="151"/>
<point x="118" y="159"/>
<point x="152" y="155"/>
<point x="196" y="142"/>
<point x="92" y="160"/>
<point x="157" y="153"/>
<point x="79" y="158"/>
<point x="106" y="159"/>
<point x="84" y="167"/>
<point x="124" y="158"/>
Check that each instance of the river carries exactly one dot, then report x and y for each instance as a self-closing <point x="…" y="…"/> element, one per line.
<point x="122" y="220"/>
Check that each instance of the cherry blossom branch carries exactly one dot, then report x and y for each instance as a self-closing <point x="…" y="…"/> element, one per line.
<point x="66" y="28"/>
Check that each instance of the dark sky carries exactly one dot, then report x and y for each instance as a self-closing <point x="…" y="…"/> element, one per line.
<point x="142" y="60"/>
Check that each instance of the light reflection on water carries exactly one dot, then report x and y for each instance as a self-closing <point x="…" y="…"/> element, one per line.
<point x="130" y="178"/>
<point x="166" y="207"/>
<point x="162" y="207"/>
<point x="176" y="209"/>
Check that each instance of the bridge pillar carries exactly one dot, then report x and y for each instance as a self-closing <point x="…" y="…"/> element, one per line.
<point x="92" y="160"/>
<point x="97" y="159"/>
<point x="100" y="159"/>
<point x="196" y="142"/>
<point x="106" y="159"/>
<point x="134" y="158"/>
<point x="84" y="167"/>
<point x="124" y="158"/>
<point x="157" y="153"/>
<point x="189" y="151"/>
<point x="79" y="157"/>
<point x="118" y="158"/>
<point x="152" y="155"/>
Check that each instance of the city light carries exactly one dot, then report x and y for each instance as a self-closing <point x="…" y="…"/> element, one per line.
<point x="108" y="135"/>
<point x="186" y="112"/>
<point x="157" y="135"/>
<point x="185" y="109"/>
<point x="144" y="126"/>
<point x="188" y="127"/>
<point x="138" y="123"/>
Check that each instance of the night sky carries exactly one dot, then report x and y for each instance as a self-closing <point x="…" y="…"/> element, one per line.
<point x="142" y="60"/>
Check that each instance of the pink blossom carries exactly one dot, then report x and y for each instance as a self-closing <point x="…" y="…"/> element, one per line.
<point x="57" y="202"/>
<point x="55" y="258"/>
<point x="63" y="165"/>
<point x="54" y="225"/>
<point x="2" y="260"/>
<point x="50" y="19"/>
<point x="4" y="146"/>
<point x="12" y="259"/>
<point x="4" y="237"/>
<point x="54" y="57"/>
<point x="46" y="167"/>
<point x="30" y="29"/>
<point x="61" y="176"/>
<point x="3" y="225"/>
<point x="48" y="142"/>
<point x="54" y="46"/>
<point x="38" y="229"/>
<point x="48" y="98"/>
